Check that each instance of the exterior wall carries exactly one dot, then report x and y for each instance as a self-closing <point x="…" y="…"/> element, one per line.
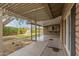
<point x="52" y="29"/>
<point x="64" y="16"/>
<point x="77" y="29"/>
<point x="66" y="11"/>
<point x="46" y="31"/>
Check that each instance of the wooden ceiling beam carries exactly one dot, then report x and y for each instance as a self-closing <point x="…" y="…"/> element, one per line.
<point x="1" y="4"/>
<point x="49" y="12"/>
<point x="4" y="5"/>
<point x="38" y="11"/>
<point x="33" y="10"/>
<point x="10" y="5"/>
<point x="21" y="7"/>
<point x="17" y="6"/>
<point x="16" y="15"/>
<point x="28" y="7"/>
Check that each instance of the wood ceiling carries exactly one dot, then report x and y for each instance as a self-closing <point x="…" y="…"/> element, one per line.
<point x="56" y="9"/>
<point x="34" y="11"/>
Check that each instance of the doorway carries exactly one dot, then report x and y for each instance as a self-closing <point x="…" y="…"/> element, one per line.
<point x="69" y="32"/>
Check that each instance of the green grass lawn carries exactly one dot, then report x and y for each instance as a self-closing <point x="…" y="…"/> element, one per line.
<point x="25" y="35"/>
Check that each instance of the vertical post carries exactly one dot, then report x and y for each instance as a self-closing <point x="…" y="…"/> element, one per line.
<point x="39" y="33"/>
<point x="18" y="27"/>
<point x="1" y="34"/>
<point x="31" y="31"/>
<point x="35" y="31"/>
<point x="1" y="31"/>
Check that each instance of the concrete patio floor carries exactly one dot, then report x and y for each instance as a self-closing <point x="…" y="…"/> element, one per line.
<point x="40" y="48"/>
<point x="55" y="43"/>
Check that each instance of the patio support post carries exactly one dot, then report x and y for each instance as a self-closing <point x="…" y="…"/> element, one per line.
<point x="1" y="32"/>
<point x="35" y="31"/>
<point x="31" y="31"/>
<point x="39" y="32"/>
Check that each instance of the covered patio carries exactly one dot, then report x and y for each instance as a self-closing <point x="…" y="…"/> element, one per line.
<point x="42" y="19"/>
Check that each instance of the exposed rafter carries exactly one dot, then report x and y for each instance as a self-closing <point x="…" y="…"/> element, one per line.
<point x="33" y="10"/>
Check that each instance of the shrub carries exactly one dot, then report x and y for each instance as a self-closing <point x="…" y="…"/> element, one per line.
<point x="9" y="31"/>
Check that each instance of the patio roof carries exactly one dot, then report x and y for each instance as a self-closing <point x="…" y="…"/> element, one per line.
<point x="33" y="11"/>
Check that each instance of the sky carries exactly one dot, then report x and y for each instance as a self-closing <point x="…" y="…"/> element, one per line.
<point x="19" y="24"/>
